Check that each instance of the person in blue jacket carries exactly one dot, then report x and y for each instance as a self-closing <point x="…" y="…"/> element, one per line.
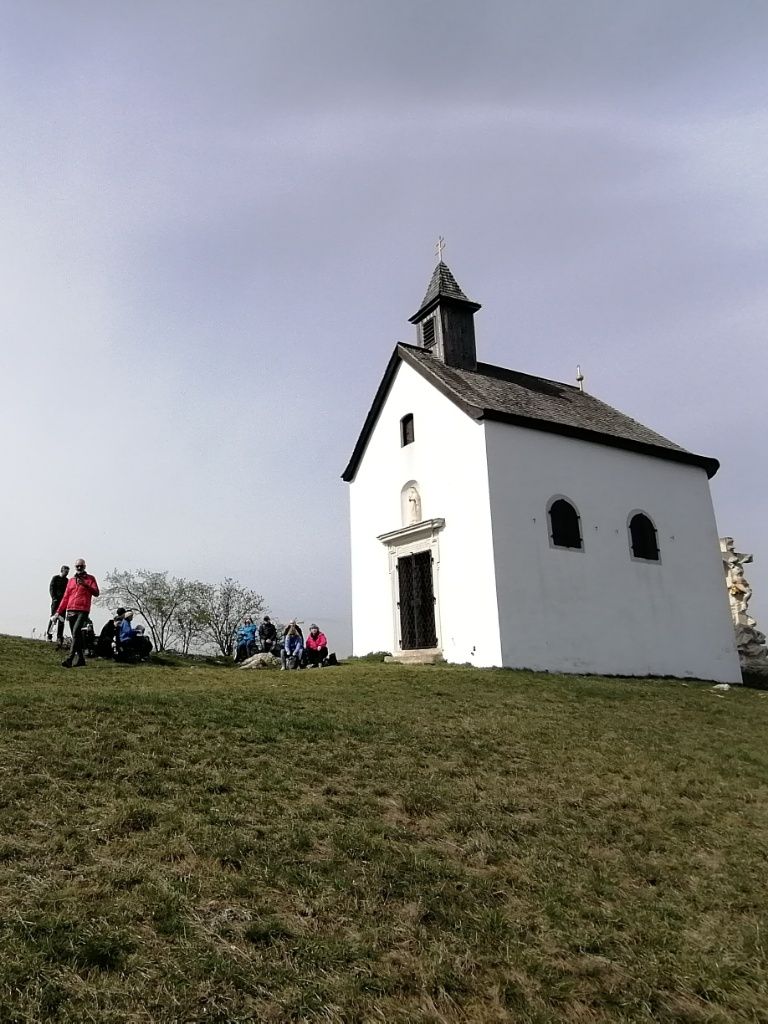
<point x="246" y="640"/>
<point x="125" y="633"/>
<point x="130" y="643"/>
<point x="292" y="651"/>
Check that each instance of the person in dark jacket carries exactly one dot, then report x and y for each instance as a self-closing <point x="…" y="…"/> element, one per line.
<point x="88" y="638"/>
<point x="106" y="639"/>
<point x="56" y="589"/>
<point x="267" y="634"/>
<point x="76" y="603"/>
<point x="142" y="643"/>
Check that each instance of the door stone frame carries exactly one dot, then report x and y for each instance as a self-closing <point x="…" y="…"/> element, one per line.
<point x="411" y="540"/>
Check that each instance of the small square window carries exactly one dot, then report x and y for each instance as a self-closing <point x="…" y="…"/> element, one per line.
<point x="406" y="430"/>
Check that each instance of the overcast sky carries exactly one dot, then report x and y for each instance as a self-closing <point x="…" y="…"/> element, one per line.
<point x="218" y="217"/>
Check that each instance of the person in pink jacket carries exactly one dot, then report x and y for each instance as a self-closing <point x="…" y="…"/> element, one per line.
<point x="316" y="647"/>
<point x="76" y="605"/>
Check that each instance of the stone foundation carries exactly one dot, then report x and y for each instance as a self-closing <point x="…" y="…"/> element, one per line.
<point x="430" y="656"/>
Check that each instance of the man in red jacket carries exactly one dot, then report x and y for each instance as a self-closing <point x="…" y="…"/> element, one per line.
<point x="76" y="604"/>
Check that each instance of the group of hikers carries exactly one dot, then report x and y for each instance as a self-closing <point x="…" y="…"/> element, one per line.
<point x="71" y="602"/>
<point x="71" y="599"/>
<point x="295" y="651"/>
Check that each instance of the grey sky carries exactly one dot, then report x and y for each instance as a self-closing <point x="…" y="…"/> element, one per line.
<point x="217" y="219"/>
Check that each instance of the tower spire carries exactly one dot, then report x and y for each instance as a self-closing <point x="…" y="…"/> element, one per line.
<point x="445" y="319"/>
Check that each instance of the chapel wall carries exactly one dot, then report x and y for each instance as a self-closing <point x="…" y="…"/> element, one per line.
<point x="599" y="610"/>
<point x="447" y="461"/>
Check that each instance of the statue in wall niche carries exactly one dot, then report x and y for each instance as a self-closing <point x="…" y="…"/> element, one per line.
<point x="413" y="504"/>
<point x="750" y="642"/>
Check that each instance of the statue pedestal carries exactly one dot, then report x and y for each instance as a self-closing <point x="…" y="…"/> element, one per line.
<point x="753" y="654"/>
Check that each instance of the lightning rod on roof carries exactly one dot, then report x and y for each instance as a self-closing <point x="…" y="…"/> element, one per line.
<point x="579" y="378"/>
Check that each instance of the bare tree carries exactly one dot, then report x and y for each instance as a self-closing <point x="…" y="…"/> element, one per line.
<point x="224" y="607"/>
<point x="189" y="621"/>
<point x="156" y="596"/>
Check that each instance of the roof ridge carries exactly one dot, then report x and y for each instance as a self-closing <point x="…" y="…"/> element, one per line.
<point x="532" y="376"/>
<point x="506" y="370"/>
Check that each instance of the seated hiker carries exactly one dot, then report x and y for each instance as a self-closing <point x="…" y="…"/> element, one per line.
<point x="130" y="643"/>
<point x="316" y="647"/>
<point x="142" y="644"/>
<point x="104" y="644"/>
<point x="267" y="634"/>
<point x="292" y="650"/>
<point x="293" y="625"/>
<point x="245" y="639"/>
<point x="88" y="637"/>
<point x="124" y="634"/>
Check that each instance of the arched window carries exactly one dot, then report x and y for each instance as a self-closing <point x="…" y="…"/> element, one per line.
<point x="564" y="528"/>
<point x="642" y="538"/>
<point x="406" y="430"/>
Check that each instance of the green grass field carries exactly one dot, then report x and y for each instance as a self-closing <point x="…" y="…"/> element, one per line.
<point x="377" y="844"/>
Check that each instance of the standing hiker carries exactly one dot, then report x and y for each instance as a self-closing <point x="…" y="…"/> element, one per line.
<point x="56" y="589"/>
<point x="76" y="603"/>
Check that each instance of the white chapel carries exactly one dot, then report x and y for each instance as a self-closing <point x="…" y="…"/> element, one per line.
<point x="503" y="519"/>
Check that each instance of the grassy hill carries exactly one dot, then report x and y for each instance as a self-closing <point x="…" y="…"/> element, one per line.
<point x="373" y="843"/>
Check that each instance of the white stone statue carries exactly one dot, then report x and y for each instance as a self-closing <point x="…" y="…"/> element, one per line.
<point x="413" y="500"/>
<point x="750" y="642"/>
<point x="740" y="593"/>
<point x="739" y="590"/>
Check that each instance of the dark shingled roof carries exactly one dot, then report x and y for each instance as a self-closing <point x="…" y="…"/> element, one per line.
<point x="494" y="393"/>
<point x="443" y="283"/>
<point x="442" y="286"/>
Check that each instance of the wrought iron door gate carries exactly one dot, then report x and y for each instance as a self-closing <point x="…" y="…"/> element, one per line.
<point x="417" y="601"/>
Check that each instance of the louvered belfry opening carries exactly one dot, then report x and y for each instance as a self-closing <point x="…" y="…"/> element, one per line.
<point x="417" y="602"/>
<point x="428" y="334"/>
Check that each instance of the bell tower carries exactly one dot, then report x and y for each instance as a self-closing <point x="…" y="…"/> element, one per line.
<point x="445" y="322"/>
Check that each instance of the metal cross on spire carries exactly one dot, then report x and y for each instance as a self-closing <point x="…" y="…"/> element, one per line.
<point x="440" y="245"/>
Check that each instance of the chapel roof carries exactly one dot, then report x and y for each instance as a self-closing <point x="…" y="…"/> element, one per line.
<point x="508" y="396"/>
